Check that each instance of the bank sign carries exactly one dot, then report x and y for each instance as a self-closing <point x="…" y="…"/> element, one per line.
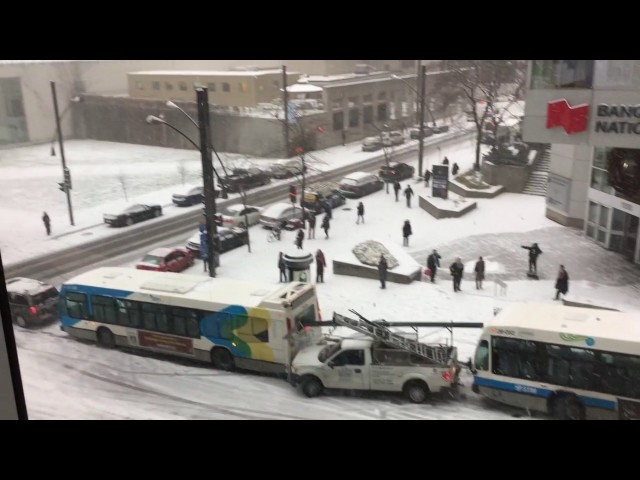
<point x="610" y="118"/>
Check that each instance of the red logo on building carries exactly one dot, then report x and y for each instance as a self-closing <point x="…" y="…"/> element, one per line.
<point x="572" y="119"/>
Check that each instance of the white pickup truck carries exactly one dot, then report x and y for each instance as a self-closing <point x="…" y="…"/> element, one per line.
<point x="366" y="364"/>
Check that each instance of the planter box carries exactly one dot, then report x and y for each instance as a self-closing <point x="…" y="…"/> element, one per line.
<point x="439" y="208"/>
<point x="459" y="189"/>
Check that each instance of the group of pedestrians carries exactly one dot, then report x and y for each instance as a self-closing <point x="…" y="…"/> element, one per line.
<point x="321" y="263"/>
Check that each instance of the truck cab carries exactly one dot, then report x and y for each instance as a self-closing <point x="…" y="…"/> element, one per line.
<point x="368" y="364"/>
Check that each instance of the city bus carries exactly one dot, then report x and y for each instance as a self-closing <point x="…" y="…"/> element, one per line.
<point x="229" y="323"/>
<point x="570" y="362"/>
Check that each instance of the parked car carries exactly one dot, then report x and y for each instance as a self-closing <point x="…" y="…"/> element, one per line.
<point x="166" y="260"/>
<point x="315" y="195"/>
<point x="244" y="179"/>
<point x="234" y="215"/>
<point x="287" y="168"/>
<point x="359" y="184"/>
<point x="414" y="132"/>
<point x="32" y="302"/>
<point x="278" y="213"/>
<point x="440" y="128"/>
<point x="133" y="214"/>
<point x="230" y="238"/>
<point x="389" y="139"/>
<point x="191" y="196"/>
<point x="396" y="171"/>
<point x="371" y="144"/>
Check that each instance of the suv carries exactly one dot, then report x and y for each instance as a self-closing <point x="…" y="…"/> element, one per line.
<point x="359" y="184"/>
<point x="371" y="144"/>
<point x="414" y="132"/>
<point x="32" y="302"/>
<point x="396" y="171"/>
<point x="317" y="194"/>
<point x="389" y="139"/>
<point x="287" y="168"/>
<point x="280" y="213"/>
<point x="244" y="179"/>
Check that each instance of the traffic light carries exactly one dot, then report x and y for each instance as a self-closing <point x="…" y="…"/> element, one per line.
<point x="67" y="177"/>
<point x="62" y="186"/>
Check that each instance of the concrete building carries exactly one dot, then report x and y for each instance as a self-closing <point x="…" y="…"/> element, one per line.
<point x="589" y="111"/>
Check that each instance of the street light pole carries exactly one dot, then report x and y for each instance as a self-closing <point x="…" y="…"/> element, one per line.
<point x="66" y="173"/>
<point x="207" y="177"/>
<point x="423" y="78"/>
<point x="285" y="101"/>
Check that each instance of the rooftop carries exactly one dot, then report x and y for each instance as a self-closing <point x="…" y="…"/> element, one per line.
<point x="210" y="73"/>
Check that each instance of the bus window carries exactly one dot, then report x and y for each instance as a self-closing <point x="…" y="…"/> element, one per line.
<point x="104" y="309"/>
<point x="482" y="356"/>
<point x="76" y="305"/>
<point x="128" y="313"/>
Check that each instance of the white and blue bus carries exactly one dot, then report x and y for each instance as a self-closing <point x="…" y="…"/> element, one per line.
<point x="571" y="362"/>
<point x="229" y="323"/>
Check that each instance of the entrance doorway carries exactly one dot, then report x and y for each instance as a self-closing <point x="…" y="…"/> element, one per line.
<point x="624" y="233"/>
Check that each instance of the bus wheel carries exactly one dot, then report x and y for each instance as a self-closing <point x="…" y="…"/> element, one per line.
<point x="222" y="359"/>
<point x="311" y="386"/>
<point x="105" y="338"/>
<point x="416" y="391"/>
<point x="568" y="407"/>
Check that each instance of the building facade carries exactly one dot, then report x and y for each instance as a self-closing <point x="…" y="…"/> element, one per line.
<point x="589" y="111"/>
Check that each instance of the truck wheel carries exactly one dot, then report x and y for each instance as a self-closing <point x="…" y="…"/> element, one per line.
<point x="416" y="391"/>
<point x="568" y="407"/>
<point x="222" y="359"/>
<point x="105" y="338"/>
<point x="311" y="386"/>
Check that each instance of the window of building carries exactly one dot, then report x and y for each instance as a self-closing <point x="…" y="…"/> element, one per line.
<point x="382" y="95"/>
<point x="182" y="86"/>
<point x="597" y="222"/>
<point x="243" y="87"/>
<point x="367" y="113"/>
<point x="552" y="74"/>
<point x="336" y="104"/>
<point x="155" y="85"/>
<point x="600" y="170"/>
<point x="168" y="86"/>
<point x="354" y="117"/>
<point x="352" y="102"/>
<point x="211" y="87"/>
<point x="226" y="87"/>
<point x="139" y="86"/>
<point x="367" y="98"/>
<point x="382" y="112"/>
<point x="338" y="121"/>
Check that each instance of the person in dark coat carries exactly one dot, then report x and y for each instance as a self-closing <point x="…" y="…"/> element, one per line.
<point x="311" y="219"/>
<point x="406" y="233"/>
<point x="299" y="239"/>
<point x="534" y="251"/>
<point x="433" y="262"/>
<point x="204" y="246"/>
<point x="382" y="271"/>
<point x="445" y="161"/>
<point x="562" y="282"/>
<point x="344" y="137"/>
<point x="47" y="222"/>
<point x="455" y="168"/>
<point x="320" y="264"/>
<point x="396" y="188"/>
<point x="408" y="192"/>
<point x="427" y="177"/>
<point x="479" y="269"/>
<point x="360" y="213"/>
<point x="326" y="205"/>
<point x="325" y="225"/>
<point x="282" y="267"/>
<point x="456" y="269"/>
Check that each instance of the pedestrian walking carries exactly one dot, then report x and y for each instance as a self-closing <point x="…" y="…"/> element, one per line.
<point x="326" y="205"/>
<point x="47" y="222"/>
<point x="455" y="168"/>
<point x="204" y="246"/>
<point x="406" y="233"/>
<point x="427" y="177"/>
<point x="562" y="282"/>
<point x="534" y="251"/>
<point x="445" y="161"/>
<point x="456" y="269"/>
<point x="479" y="269"/>
<point x="299" y="239"/>
<point x="311" y="219"/>
<point x="360" y="213"/>
<point x="396" y="188"/>
<point x="433" y="262"/>
<point x="382" y="271"/>
<point x="282" y="267"/>
<point x="325" y="225"/>
<point x="293" y="194"/>
<point x="408" y="192"/>
<point x="344" y="137"/>
<point x="320" y="264"/>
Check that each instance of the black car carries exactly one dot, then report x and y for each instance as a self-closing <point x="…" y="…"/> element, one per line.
<point x="230" y="238"/>
<point x="316" y="195"/>
<point x="133" y="214"/>
<point x="396" y="171"/>
<point x="244" y="179"/>
<point x="193" y="196"/>
<point x="32" y="302"/>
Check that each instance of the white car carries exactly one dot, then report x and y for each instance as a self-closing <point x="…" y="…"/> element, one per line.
<point x="278" y="213"/>
<point x="234" y="215"/>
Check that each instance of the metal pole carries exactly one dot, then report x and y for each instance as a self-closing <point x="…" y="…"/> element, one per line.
<point x="416" y="90"/>
<point x="65" y="175"/>
<point x="207" y="177"/>
<point x="423" y="77"/>
<point x="285" y="101"/>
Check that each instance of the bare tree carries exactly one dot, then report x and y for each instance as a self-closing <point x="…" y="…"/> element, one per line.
<point x="484" y="81"/>
<point x="123" y="183"/>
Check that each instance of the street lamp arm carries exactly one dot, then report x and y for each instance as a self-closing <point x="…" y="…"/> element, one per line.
<point x="153" y="120"/>
<point x="171" y="104"/>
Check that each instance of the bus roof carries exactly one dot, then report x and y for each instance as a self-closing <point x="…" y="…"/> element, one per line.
<point x="590" y="322"/>
<point x="183" y="286"/>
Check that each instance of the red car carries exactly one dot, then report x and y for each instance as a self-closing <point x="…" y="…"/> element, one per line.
<point x="166" y="260"/>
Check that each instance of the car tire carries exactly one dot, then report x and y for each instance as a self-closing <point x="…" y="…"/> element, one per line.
<point x="21" y="321"/>
<point x="129" y="222"/>
<point x="416" y="391"/>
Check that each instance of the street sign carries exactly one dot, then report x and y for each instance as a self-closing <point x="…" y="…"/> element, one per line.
<point x="440" y="181"/>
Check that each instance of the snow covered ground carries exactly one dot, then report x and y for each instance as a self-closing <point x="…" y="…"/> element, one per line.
<point x="66" y="379"/>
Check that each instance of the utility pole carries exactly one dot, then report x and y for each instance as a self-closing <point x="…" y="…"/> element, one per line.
<point x="423" y="81"/>
<point x="418" y="70"/>
<point x="285" y="101"/>
<point x="66" y="173"/>
<point x="207" y="176"/>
